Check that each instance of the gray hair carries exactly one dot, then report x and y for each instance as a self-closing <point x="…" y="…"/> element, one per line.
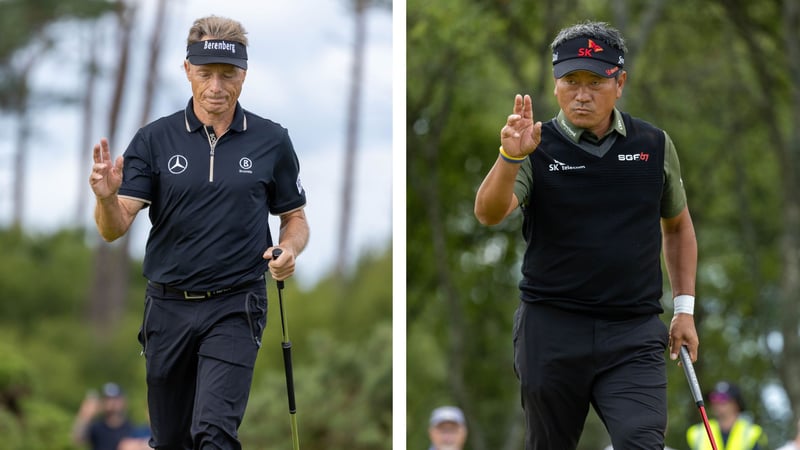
<point x="217" y="27"/>
<point x="595" y="30"/>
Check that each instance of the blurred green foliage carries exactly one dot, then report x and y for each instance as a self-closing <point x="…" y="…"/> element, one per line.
<point x="50" y="356"/>
<point x="691" y="71"/>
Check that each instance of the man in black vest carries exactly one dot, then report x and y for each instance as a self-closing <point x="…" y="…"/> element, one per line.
<point x="599" y="190"/>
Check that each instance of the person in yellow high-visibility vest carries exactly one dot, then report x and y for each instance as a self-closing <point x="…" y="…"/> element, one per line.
<point x="731" y="429"/>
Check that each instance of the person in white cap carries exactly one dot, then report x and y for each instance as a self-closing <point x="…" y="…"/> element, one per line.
<point x="447" y="429"/>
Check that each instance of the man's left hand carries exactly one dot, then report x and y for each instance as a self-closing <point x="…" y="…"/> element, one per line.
<point x="682" y="332"/>
<point x="281" y="267"/>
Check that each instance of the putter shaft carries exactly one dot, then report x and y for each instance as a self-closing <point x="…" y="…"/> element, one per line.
<point x="697" y="394"/>
<point x="691" y="376"/>
<point x="286" y="344"/>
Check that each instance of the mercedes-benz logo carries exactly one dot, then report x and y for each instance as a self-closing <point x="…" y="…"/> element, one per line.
<point x="177" y="164"/>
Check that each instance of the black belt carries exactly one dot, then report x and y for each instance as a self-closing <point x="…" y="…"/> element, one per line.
<point x="200" y="295"/>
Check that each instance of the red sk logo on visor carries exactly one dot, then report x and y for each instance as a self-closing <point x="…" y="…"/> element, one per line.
<point x="593" y="48"/>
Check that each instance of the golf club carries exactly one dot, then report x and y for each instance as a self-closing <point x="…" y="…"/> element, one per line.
<point x="287" y="359"/>
<point x="688" y="368"/>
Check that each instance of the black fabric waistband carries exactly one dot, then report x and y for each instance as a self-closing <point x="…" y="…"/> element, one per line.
<point x="171" y="291"/>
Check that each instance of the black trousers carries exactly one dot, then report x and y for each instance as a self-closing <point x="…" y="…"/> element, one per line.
<point x="566" y="361"/>
<point x="200" y="356"/>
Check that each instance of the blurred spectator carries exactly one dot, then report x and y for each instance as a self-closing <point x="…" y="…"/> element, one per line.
<point x="794" y="444"/>
<point x="103" y="423"/>
<point x="447" y="429"/>
<point x="732" y="430"/>
<point x="139" y="439"/>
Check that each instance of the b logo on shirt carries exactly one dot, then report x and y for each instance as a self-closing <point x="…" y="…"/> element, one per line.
<point x="245" y="165"/>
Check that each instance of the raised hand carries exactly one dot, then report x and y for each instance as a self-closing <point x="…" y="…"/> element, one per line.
<point x="521" y="135"/>
<point x="106" y="177"/>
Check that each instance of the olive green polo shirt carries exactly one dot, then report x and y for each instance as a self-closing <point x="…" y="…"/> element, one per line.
<point x="673" y="198"/>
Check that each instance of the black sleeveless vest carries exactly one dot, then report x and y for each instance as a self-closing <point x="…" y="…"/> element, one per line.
<point x="592" y="225"/>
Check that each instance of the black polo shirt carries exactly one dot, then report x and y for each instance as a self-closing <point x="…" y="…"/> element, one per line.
<point x="210" y="197"/>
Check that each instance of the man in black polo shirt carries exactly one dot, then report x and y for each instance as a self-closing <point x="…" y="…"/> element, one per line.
<point x="210" y="175"/>
<point x="599" y="190"/>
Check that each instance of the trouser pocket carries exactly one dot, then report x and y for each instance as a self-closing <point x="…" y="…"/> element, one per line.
<point x="148" y="301"/>
<point x="256" y="310"/>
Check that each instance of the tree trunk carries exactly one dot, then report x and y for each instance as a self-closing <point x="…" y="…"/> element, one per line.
<point x="20" y="103"/>
<point x="790" y="307"/>
<point x="87" y="132"/>
<point x="20" y="158"/>
<point x="351" y="146"/>
<point x="648" y="22"/>
<point x="153" y="62"/>
<point x="112" y="263"/>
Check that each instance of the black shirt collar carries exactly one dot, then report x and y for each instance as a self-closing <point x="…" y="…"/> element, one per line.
<point x="193" y="124"/>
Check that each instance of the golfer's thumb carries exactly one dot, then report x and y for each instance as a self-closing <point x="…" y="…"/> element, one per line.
<point x="272" y="253"/>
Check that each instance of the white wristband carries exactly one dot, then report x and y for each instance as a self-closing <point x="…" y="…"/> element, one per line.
<point x="684" y="304"/>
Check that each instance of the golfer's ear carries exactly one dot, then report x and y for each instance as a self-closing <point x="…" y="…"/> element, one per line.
<point x="621" y="78"/>
<point x="186" y="68"/>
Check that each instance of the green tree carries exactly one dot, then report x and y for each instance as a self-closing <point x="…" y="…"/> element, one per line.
<point x="25" y="42"/>
<point x="715" y="76"/>
<point x="360" y="8"/>
<point x="341" y="332"/>
<point x="343" y="396"/>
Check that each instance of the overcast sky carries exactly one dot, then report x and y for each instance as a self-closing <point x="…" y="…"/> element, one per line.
<point x="300" y="57"/>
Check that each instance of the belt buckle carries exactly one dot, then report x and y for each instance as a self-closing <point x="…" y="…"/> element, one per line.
<point x="192" y="296"/>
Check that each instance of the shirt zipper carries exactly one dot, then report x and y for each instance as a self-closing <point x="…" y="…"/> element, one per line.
<point x="212" y="142"/>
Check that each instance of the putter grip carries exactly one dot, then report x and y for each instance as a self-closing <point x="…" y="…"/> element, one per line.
<point x="691" y="376"/>
<point x="276" y="252"/>
<point x="287" y="363"/>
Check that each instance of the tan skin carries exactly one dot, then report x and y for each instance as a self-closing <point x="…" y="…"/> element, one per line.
<point x="215" y="91"/>
<point x="448" y="436"/>
<point x="588" y="101"/>
<point x="726" y="412"/>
